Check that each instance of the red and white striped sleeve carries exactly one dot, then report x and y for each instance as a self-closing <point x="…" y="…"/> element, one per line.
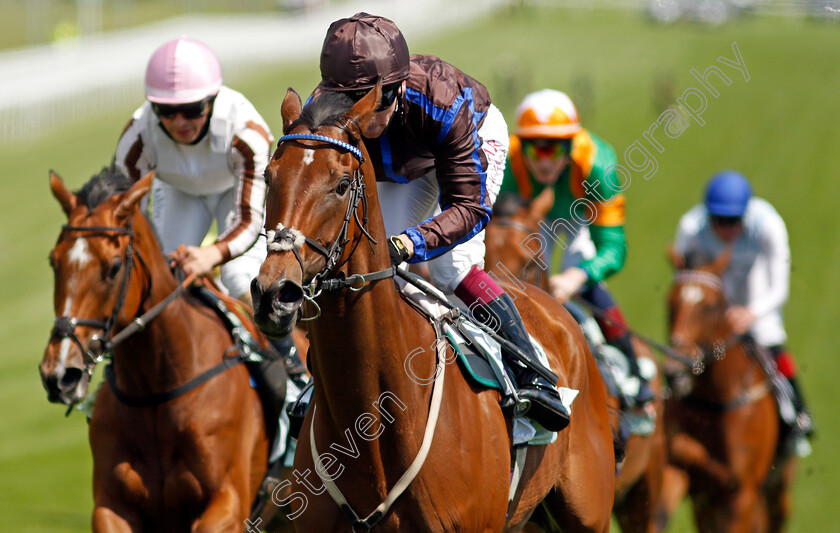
<point x="133" y="156"/>
<point x="249" y="155"/>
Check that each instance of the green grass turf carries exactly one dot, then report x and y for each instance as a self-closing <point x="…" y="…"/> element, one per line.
<point x="778" y="128"/>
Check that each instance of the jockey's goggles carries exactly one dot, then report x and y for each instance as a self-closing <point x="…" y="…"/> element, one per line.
<point x="190" y="111"/>
<point x="546" y="148"/>
<point x="725" y="221"/>
<point x="389" y="94"/>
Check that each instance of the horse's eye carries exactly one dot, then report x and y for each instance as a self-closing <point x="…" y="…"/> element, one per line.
<point x="116" y="265"/>
<point x="342" y="186"/>
<point x="265" y="177"/>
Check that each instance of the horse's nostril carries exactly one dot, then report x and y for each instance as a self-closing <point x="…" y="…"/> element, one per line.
<point x="48" y="380"/>
<point x="256" y="294"/>
<point x="286" y="295"/>
<point x="71" y="378"/>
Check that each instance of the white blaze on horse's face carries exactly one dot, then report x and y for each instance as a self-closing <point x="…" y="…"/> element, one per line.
<point x="79" y="253"/>
<point x="308" y="156"/>
<point x="64" y="347"/>
<point x="691" y="294"/>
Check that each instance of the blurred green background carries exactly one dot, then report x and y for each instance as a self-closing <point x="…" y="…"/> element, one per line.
<point x="622" y="70"/>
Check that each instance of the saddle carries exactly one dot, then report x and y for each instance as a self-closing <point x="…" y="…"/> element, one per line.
<point x="479" y="355"/>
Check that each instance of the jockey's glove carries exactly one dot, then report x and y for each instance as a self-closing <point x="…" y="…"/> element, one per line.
<point x="397" y="250"/>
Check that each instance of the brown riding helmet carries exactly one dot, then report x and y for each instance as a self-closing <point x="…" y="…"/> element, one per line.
<point x="359" y="50"/>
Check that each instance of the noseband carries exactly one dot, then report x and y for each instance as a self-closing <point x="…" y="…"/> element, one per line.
<point x="283" y="238"/>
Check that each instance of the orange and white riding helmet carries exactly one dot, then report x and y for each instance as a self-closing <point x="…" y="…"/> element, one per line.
<point x="182" y="71"/>
<point x="547" y="114"/>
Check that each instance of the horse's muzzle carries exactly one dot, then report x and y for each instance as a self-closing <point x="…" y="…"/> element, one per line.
<point x="67" y="385"/>
<point x="276" y="309"/>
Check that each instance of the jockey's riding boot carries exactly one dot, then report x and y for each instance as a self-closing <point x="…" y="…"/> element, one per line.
<point x="804" y="424"/>
<point x="296" y="410"/>
<point x="546" y="405"/>
<point x="270" y="376"/>
<point x="295" y="368"/>
<point x="625" y="345"/>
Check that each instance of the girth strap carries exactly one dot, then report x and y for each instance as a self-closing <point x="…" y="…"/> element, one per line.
<point x="227" y="363"/>
<point x="520" y="455"/>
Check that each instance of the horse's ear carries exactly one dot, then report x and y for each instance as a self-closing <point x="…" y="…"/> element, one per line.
<point x="66" y="198"/>
<point x="721" y="261"/>
<point x="131" y="197"/>
<point x="542" y="204"/>
<point x="290" y="110"/>
<point x="677" y="259"/>
<point x="362" y="112"/>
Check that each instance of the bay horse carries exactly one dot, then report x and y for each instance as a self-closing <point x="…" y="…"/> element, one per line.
<point x="417" y="454"/>
<point x="722" y="419"/>
<point x="639" y="482"/>
<point x="188" y="463"/>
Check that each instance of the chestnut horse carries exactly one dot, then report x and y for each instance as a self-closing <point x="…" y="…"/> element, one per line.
<point x="327" y="245"/>
<point x="639" y="483"/>
<point x="189" y="463"/>
<point x="722" y="420"/>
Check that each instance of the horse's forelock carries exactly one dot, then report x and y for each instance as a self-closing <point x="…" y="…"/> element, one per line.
<point x="327" y="109"/>
<point x="108" y="182"/>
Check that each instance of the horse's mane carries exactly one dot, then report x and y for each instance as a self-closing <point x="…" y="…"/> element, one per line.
<point x="507" y="205"/>
<point x="110" y="181"/>
<point x="327" y="109"/>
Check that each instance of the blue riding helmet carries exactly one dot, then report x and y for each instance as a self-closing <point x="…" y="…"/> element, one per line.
<point x="727" y="194"/>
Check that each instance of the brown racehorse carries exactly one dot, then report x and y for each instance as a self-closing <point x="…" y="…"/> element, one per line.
<point x="639" y="483"/>
<point x="367" y="411"/>
<point x="722" y="419"/>
<point x="192" y="463"/>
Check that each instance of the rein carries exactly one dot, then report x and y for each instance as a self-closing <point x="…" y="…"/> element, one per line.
<point x="668" y="351"/>
<point x="101" y="347"/>
<point x="290" y="239"/>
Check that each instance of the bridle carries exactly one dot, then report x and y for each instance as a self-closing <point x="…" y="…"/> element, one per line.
<point x="291" y="239"/>
<point x="284" y="238"/>
<point x="717" y="351"/>
<point x="100" y="346"/>
<point x="713" y="351"/>
<point x="708" y="351"/>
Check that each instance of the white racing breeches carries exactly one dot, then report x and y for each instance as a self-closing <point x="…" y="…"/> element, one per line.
<point x="181" y="218"/>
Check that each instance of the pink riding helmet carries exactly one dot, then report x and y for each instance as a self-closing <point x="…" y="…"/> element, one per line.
<point x="182" y="71"/>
